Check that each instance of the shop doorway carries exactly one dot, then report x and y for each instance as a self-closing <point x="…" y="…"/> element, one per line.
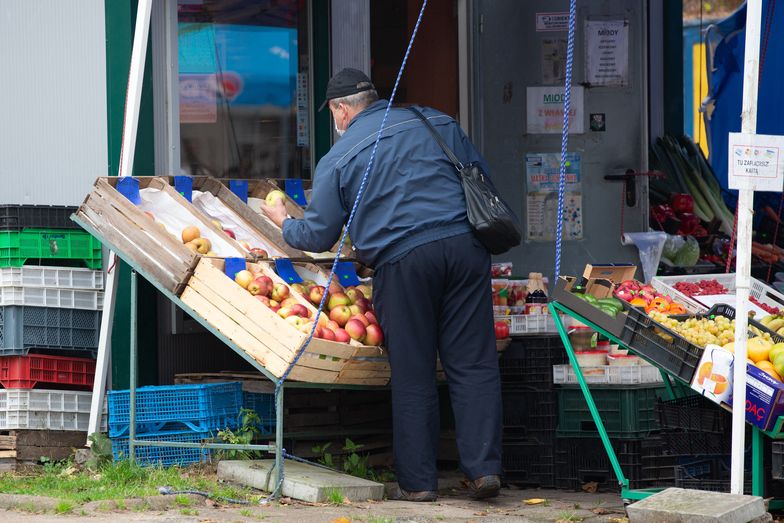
<point x="431" y="76"/>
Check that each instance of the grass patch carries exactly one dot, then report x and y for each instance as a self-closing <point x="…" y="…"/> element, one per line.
<point x="379" y="519"/>
<point x="189" y="512"/>
<point x="28" y="507"/>
<point x="335" y="496"/>
<point x="248" y="513"/>
<point x="183" y="500"/>
<point x="117" y="481"/>
<point x="63" y="507"/>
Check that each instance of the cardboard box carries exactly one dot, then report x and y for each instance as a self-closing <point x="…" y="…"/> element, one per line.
<point x="599" y="288"/>
<point x="764" y="394"/>
<point x="615" y="272"/>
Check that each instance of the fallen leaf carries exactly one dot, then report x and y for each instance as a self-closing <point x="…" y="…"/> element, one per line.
<point x="210" y="502"/>
<point x="341" y="519"/>
<point x="591" y="487"/>
<point x="480" y="514"/>
<point x="618" y="520"/>
<point x="534" y="501"/>
<point x="599" y="511"/>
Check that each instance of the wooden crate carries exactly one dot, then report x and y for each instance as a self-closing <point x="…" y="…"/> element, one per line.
<point x="136" y="237"/>
<point x="27" y="447"/>
<point x="270" y="339"/>
<point x="260" y="188"/>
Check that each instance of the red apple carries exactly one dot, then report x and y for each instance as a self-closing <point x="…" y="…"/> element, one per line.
<point x="342" y="336"/>
<point x="317" y="332"/>
<point x="374" y="335"/>
<point x="356" y="329"/>
<point x="364" y="305"/>
<point x="274" y="308"/>
<point x="371" y="316"/>
<point x="259" y="253"/>
<point x="337" y="299"/>
<point x="300" y="310"/>
<point x="266" y="284"/>
<point x="335" y="288"/>
<point x="294" y="320"/>
<point x="263" y="299"/>
<point x="285" y="312"/>
<point x="254" y="288"/>
<point x="366" y="290"/>
<point x="340" y="315"/>
<point x="361" y="318"/>
<point x="230" y="233"/>
<point x="333" y="326"/>
<point x="243" y="278"/>
<point x="315" y="294"/>
<point x="279" y="292"/>
<point x="298" y="287"/>
<point x="289" y="302"/>
<point x="327" y="334"/>
<point x="354" y="310"/>
<point x="354" y="294"/>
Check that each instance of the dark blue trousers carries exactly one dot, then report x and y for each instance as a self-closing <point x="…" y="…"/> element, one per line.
<point x="437" y="300"/>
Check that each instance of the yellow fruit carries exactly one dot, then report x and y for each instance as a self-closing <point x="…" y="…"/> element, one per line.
<point x="704" y="371"/>
<point x="777" y="349"/>
<point x="778" y="363"/>
<point x="730" y="347"/>
<point x="190" y="233"/>
<point x="768" y="367"/>
<point x="758" y="349"/>
<point x="273" y="197"/>
<point x="776" y="324"/>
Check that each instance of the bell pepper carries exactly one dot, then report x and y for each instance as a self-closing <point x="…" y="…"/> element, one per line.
<point x="689" y="223"/>
<point x="682" y="203"/>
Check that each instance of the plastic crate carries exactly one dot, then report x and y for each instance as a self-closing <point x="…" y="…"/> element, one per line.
<point x="697" y="443"/>
<point x="17" y="248"/>
<point x="164" y="456"/>
<point x="263" y="404"/>
<point x="52" y="297"/>
<point x="528" y="362"/>
<point x="47" y="327"/>
<point x="26" y="372"/>
<point x="56" y="277"/>
<point x="715" y="484"/>
<point x="626" y="413"/>
<point x="608" y="375"/>
<point x="693" y="413"/>
<point x="759" y="290"/>
<point x="45" y="409"/>
<point x="532" y="410"/>
<point x="529" y="463"/>
<point x="777" y="459"/>
<point x="583" y="460"/>
<point x="523" y="324"/>
<point x="18" y="217"/>
<point x="199" y="408"/>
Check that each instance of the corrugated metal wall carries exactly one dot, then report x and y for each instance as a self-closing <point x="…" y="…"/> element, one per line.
<point x="53" y="140"/>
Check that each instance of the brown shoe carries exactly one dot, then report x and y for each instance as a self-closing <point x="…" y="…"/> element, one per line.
<point x="485" y="487"/>
<point x="400" y="494"/>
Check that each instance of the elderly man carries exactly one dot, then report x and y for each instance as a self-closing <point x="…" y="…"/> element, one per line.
<point x="432" y="276"/>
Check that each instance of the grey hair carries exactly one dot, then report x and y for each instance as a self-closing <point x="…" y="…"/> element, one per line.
<point x="361" y="99"/>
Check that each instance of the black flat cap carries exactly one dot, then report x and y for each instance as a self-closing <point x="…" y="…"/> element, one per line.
<point x="347" y="82"/>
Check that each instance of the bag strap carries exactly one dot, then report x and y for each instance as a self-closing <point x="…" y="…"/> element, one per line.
<point x="452" y="158"/>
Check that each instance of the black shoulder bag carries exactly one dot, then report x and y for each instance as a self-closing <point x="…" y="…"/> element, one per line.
<point x="494" y="223"/>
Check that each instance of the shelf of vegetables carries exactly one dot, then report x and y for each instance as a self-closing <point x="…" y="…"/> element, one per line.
<point x="699" y="293"/>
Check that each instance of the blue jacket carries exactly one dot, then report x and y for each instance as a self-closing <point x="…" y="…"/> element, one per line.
<point x="413" y="195"/>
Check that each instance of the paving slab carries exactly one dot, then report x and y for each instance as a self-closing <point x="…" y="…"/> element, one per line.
<point x="675" y="505"/>
<point x="301" y="481"/>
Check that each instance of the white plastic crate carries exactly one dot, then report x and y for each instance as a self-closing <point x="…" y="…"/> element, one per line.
<point x="52" y="297"/>
<point x="759" y="290"/>
<point x="46" y="410"/>
<point x="608" y="375"/>
<point x="59" y="277"/>
<point x="529" y="324"/>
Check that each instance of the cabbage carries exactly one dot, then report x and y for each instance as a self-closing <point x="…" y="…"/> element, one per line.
<point x="689" y="254"/>
<point x="671" y="247"/>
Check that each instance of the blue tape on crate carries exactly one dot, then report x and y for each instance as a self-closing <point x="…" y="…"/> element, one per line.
<point x="184" y="186"/>
<point x="346" y="274"/>
<point x="285" y="270"/>
<point x="128" y="186"/>
<point x="233" y="266"/>
<point x="240" y="188"/>
<point x="295" y="191"/>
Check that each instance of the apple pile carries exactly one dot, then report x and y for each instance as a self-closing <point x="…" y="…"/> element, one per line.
<point x="191" y="237"/>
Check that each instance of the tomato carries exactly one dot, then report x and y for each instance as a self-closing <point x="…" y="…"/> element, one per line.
<point x="501" y="330"/>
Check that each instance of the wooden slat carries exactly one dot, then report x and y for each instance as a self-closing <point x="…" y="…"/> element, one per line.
<point x="7" y="442"/>
<point x="306" y="374"/>
<point x="8" y="454"/>
<point x="375" y="382"/>
<point x="238" y="335"/>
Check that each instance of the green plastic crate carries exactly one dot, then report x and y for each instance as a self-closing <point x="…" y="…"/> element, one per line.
<point x="628" y="412"/>
<point x="35" y="245"/>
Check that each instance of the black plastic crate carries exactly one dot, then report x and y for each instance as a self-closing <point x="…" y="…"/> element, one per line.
<point x="715" y="484"/>
<point x="18" y="217"/>
<point x="529" y="463"/>
<point x="528" y="362"/>
<point x="582" y="460"/>
<point x="522" y="433"/>
<point x="532" y="410"/>
<point x="697" y="443"/>
<point x="777" y="459"/>
<point x="627" y="412"/>
<point x="693" y="413"/>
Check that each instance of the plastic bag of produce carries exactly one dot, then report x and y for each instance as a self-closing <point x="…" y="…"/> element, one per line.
<point x="689" y="254"/>
<point x="672" y="246"/>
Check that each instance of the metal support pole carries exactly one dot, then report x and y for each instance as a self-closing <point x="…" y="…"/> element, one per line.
<point x="133" y="364"/>
<point x="279" y="436"/>
<point x="743" y="264"/>
<point x="758" y="463"/>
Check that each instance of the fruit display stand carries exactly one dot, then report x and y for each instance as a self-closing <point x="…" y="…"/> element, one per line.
<point x="198" y="284"/>
<point x="675" y="381"/>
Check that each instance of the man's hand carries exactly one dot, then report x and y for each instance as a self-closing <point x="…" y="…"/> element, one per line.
<point x="277" y="213"/>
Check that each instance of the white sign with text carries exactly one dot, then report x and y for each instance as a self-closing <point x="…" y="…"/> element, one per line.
<point x="755" y="162"/>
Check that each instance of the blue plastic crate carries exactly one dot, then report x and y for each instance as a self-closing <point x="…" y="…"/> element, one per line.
<point x="23" y="327"/>
<point x="166" y="456"/>
<point x="263" y="405"/>
<point x="199" y="408"/>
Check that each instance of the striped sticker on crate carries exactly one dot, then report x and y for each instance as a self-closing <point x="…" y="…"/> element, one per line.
<point x="199" y="407"/>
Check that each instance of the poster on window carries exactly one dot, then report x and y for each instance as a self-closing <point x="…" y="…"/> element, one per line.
<point x="198" y="103"/>
<point x="553" y="61"/>
<point x="607" y="52"/>
<point x="542" y="171"/>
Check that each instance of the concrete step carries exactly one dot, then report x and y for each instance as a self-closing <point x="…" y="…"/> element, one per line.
<point x="301" y="481"/>
<point x="675" y="505"/>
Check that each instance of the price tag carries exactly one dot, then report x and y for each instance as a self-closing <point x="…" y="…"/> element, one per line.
<point x="285" y="270"/>
<point x="755" y="162"/>
<point x="184" y="186"/>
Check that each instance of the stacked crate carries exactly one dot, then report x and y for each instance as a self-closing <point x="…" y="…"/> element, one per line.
<point x="530" y="409"/>
<point x="183" y="413"/>
<point x="51" y="297"/>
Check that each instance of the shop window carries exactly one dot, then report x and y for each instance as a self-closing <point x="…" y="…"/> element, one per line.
<point x="243" y="73"/>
